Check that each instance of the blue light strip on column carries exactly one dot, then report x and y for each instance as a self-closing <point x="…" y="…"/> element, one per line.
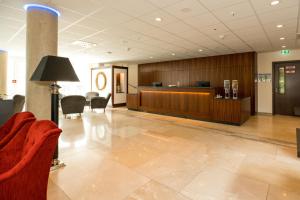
<point x="41" y="7"/>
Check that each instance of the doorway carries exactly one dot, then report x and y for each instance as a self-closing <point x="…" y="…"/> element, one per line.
<point x="119" y="86"/>
<point x="286" y="87"/>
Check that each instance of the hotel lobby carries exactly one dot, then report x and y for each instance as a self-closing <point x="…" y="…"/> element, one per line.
<point x="150" y="100"/>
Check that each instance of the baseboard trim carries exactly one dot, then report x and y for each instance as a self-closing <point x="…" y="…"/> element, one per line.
<point x="119" y="105"/>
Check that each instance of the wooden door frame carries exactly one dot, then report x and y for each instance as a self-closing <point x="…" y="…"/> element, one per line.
<point x="273" y="80"/>
<point x="113" y="86"/>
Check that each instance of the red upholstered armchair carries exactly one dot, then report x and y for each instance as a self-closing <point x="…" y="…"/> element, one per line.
<point x="13" y="125"/>
<point x="24" y="172"/>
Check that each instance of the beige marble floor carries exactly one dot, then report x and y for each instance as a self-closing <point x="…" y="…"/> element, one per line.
<point x="127" y="155"/>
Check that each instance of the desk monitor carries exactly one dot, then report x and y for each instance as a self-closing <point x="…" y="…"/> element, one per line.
<point x="157" y="84"/>
<point x="203" y="84"/>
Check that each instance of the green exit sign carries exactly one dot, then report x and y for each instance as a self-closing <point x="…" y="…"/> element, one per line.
<point x="285" y="52"/>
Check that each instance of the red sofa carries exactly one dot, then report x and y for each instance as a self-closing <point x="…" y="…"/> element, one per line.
<point x="24" y="171"/>
<point x="13" y="125"/>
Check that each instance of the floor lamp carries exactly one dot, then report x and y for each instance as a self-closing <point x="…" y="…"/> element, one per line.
<point x="53" y="69"/>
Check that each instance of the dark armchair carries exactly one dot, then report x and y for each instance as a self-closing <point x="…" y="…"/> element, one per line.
<point x="100" y="102"/>
<point x="19" y="101"/>
<point x="9" y="107"/>
<point x="24" y="169"/>
<point x="72" y="104"/>
<point x="89" y="96"/>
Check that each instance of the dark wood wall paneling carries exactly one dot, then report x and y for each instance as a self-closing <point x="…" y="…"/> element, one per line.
<point x="216" y="69"/>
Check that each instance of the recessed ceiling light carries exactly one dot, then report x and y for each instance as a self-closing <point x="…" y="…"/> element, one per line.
<point x="173" y="54"/>
<point x="158" y="19"/>
<point x="279" y="26"/>
<point x="150" y="57"/>
<point x="282" y="38"/>
<point x="283" y="46"/>
<point x="222" y="36"/>
<point x="200" y="50"/>
<point x="273" y="3"/>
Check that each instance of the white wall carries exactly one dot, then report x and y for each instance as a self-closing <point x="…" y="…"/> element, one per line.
<point x="16" y="71"/>
<point x="264" y="65"/>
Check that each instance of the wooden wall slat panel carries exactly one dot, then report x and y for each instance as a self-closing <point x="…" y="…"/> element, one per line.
<point x="215" y="69"/>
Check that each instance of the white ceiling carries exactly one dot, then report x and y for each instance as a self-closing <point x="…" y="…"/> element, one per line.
<point x="186" y="27"/>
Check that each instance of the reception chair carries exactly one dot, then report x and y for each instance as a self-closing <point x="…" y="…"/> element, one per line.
<point x="72" y="104"/>
<point x="100" y="102"/>
<point x="89" y="96"/>
<point x="19" y="101"/>
<point x="24" y="171"/>
<point x="13" y="125"/>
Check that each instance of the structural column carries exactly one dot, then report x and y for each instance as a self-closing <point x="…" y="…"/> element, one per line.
<point x="41" y="40"/>
<point x="3" y="72"/>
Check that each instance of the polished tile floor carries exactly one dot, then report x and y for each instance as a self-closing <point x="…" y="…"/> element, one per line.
<point x="127" y="155"/>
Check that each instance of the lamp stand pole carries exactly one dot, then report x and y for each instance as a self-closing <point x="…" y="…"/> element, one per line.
<point x="55" y="118"/>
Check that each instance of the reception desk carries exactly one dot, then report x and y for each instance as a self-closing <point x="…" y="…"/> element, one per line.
<point x="193" y="102"/>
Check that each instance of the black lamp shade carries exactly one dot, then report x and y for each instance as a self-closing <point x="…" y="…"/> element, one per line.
<point x="54" y="68"/>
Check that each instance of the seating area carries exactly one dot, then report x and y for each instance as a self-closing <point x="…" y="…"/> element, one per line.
<point x="75" y="104"/>
<point x="26" y="151"/>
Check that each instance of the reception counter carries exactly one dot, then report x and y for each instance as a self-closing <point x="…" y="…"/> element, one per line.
<point x="192" y="102"/>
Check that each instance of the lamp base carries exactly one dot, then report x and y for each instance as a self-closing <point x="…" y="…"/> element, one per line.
<point x="56" y="164"/>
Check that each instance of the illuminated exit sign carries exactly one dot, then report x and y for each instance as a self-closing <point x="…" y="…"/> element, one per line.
<point x="285" y="52"/>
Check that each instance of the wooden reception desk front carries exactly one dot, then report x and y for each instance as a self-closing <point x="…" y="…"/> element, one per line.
<point x="195" y="103"/>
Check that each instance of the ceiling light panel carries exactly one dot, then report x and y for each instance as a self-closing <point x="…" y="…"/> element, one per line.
<point x="83" y="44"/>
<point x="185" y="9"/>
<point x="281" y="15"/>
<point x="241" y="10"/>
<point x="159" y="18"/>
<point x="134" y="8"/>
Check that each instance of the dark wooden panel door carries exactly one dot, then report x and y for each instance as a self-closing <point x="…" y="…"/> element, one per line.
<point x="286" y="87"/>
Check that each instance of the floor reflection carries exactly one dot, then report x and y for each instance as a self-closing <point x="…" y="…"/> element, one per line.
<point x="127" y="155"/>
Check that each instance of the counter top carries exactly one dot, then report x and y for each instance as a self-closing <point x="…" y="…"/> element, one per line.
<point x="178" y="89"/>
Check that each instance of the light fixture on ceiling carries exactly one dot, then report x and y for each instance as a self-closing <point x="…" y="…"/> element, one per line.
<point x="282" y="38"/>
<point x="283" y="46"/>
<point x="158" y="19"/>
<point x="150" y="57"/>
<point x="84" y="44"/>
<point x="274" y="3"/>
<point x="221" y="37"/>
<point x="41" y="7"/>
<point x="279" y="26"/>
<point x="200" y="50"/>
<point x="173" y="54"/>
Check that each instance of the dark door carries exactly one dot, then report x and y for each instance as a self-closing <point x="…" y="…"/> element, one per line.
<point x="286" y="87"/>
